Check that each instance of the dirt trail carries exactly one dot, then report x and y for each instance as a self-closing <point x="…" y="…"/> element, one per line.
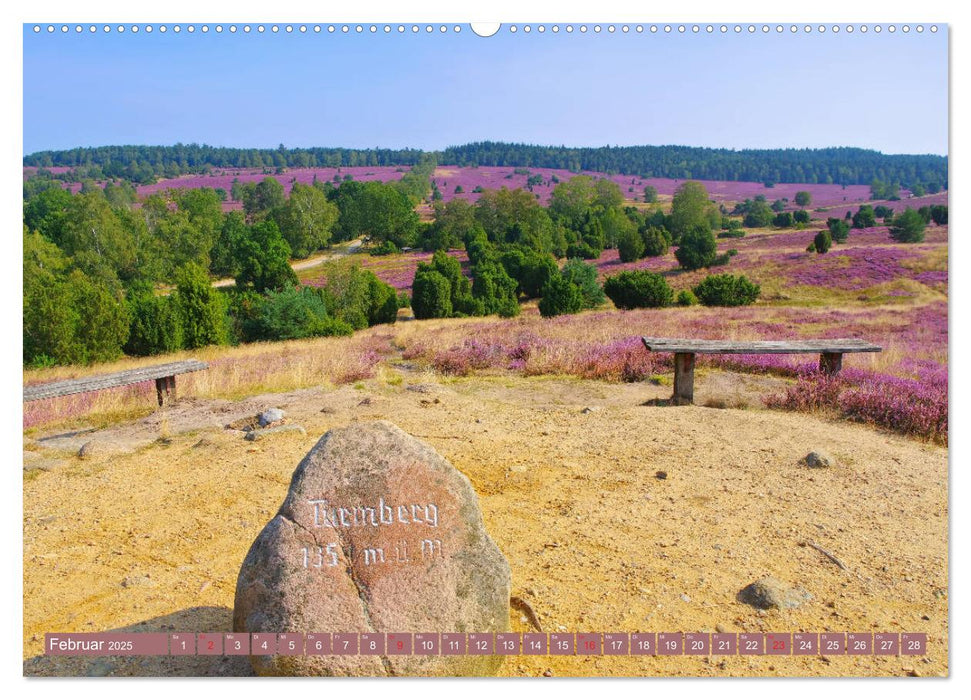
<point x="306" y="263"/>
<point x="152" y="539"/>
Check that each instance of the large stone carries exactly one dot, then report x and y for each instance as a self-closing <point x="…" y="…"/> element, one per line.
<point x="378" y="533"/>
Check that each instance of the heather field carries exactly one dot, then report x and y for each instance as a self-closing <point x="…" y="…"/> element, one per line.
<point x="829" y="198"/>
<point x="869" y="287"/>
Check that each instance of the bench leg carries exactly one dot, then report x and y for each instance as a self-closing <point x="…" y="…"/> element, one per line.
<point x="830" y="363"/>
<point x="165" y="388"/>
<point x="684" y="379"/>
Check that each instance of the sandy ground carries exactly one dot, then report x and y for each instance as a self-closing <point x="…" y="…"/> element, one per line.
<point x="150" y="537"/>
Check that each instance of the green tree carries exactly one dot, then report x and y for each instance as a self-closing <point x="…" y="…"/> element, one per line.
<point x="45" y="212"/>
<point x="698" y="248"/>
<point x="94" y="236"/>
<point x="584" y="276"/>
<point x="560" y="296"/>
<point x="224" y="254"/>
<point x="690" y="209"/>
<point x="656" y="241"/>
<point x="630" y="246"/>
<point x="431" y="295"/>
<point x="202" y="310"/>
<point x="758" y="214"/>
<point x="839" y="230"/>
<point x="307" y="219"/>
<point x="376" y="211"/>
<point x="803" y="198"/>
<point x="907" y="227"/>
<point x="650" y="194"/>
<point x="156" y="327"/>
<point x="262" y="198"/>
<point x="939" y="214"/>
<point x="865" y="217"/>
<point x="263" y="259"/>
<point x="822" y="242"/>
<point x="495" y="290"/>
<point x="453" y="220"/>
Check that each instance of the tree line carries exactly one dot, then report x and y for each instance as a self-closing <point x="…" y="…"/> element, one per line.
<point x="845" y="166"/>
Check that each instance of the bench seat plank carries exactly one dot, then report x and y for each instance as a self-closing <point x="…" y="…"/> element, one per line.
<point x="67" y="387"/>
<point x="758" y="347"/>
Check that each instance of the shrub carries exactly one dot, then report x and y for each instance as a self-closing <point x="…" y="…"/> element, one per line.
<point x="382" y="301"/>
<point x="865" y="217"/>
<point x="560" y="296"/>
<point x="727" y="290"/>
<point x="202" y="311"/>
<point x="908" y="227"/>
<point x="720" y="260"/>
<point x="656" y="241"/>
<point x="531" y="269"/>
<point x="822" y="242"/>
<point x="800" y="216"/>
<point x="732" y="233"/>
<point x="882" y="212"/>
<point x="686" y="298"/>
<point x="584" y="276"/>
<point x="630" y="245"/>
<point x="803" y="198"/>
<point x="386" y="247"/>
<point x="293" y="313"/>
<point x="155" y="326"/>
<point x="839" y="230"/>
<point x="582" y="250"/>
<point x="650" y="194"/>
<point x="635" y="289"/>
<point x="431" y="294"/>
<point x="939" y="214"/>
<point x="495" y="290"/>
<point x="698" y="249"/>
<point x="783" y="220"/>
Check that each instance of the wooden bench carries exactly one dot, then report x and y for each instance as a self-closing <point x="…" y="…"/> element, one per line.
<point x="164" y="376"/>
<point x="830" y="355"/>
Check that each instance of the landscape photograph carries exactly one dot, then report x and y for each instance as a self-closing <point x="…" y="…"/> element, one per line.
<point x="577" y="350"/>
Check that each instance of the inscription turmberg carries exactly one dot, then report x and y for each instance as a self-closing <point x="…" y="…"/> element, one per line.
<point x="327" y="515"/>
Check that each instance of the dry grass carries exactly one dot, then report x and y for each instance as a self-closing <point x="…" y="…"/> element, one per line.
<point x="234" y="372"/>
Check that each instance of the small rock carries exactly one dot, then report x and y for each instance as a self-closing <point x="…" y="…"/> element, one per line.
<point x="366" y="401"/>
<point x="92" y="448"/>
<point x="260" y="434"/>
<point x="819" y="459"/>
<point x="685" y="598"/>
<point x="270" y="416"/>
<point x="134" y="581"/>
<point x="590" y="409"/>
<point x="420" y="388"/>
<point x="768" y="592"/>
<point x="327" y="409"/>
<point x="721" y="629"/>
<point x="204" y="442"/>
<point x="548" y="673"/>
<point x="661" y="475"/>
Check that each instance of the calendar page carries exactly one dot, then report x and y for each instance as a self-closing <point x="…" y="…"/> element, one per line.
<point x="524" y="349"/>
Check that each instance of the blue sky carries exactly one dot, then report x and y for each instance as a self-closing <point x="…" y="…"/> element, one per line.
<point x="887" y="92"/>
